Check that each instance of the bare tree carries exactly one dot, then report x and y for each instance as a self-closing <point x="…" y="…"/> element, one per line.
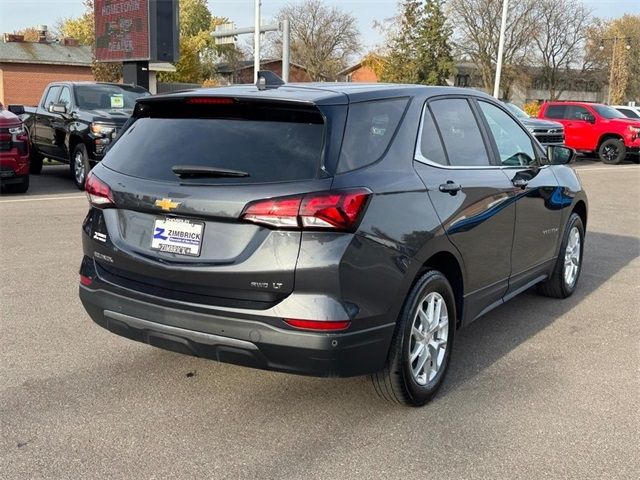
<point x="322" y="39"/>
<point x="477" y="30"/>
<point x="560" y="39"/>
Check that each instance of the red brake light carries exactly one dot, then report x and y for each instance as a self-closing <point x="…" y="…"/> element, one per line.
<point x="338" y="210"/>
<point x="318" y="325"/>
<point x="98" y="192"/>
<point x="86" y="281"/>
<point x="210" y="101"/>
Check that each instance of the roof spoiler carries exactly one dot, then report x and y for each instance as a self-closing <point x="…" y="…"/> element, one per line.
<point x="268" y="79"/>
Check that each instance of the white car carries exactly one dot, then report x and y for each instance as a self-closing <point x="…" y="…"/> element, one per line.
<point x="628" y="111"/>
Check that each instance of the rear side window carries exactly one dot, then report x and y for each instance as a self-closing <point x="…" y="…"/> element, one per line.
<point x="577" y="112"/>
<point x="460" y="132"/>
<point x="430" y="144"/>
<point x="369" y="130"/>
<point x="629" y="113"/>
<point x="270" y="144"/>
<point x="555" y="111"/>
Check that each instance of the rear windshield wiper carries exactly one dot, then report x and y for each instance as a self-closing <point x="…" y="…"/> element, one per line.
<point x="193" y="171"/>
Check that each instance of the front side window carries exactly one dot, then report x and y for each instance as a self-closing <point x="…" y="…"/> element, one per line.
<point x="576" y="112"/>
<point x="52" y="95"/>
<point x="460" y="132"/>
<point x="65" y="96"/>
<point x="514" y="145"/>
<point x="369" y="130"/>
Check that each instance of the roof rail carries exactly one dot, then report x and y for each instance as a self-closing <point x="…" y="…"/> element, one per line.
<point x="268" y="79"/>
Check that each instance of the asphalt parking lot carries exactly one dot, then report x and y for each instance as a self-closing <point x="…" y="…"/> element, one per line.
<point x="539" y="388"/>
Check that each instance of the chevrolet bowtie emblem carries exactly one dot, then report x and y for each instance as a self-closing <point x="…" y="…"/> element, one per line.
<point x="167" y="204"/>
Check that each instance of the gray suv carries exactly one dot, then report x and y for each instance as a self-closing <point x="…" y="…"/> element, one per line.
<point x="546" y="132"/>
<point x="325" y="229"/>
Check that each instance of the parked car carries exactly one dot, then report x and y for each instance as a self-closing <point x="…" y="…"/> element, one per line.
<point x="596" y="128"/>
<point x="545" y="131"/>
<point x="75" y="122"/>
<point x="14" y="153"/>
<point x="628" y="111"/>
<point x="304" y="229"/>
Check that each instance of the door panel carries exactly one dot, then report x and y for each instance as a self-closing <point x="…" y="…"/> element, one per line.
<point x="472" y="198"/>
<point x="45" y="134"/>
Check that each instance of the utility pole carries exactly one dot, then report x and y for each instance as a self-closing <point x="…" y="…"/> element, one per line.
<point x="256" y="44"/>
<point x="286" y="49"/>
<point x="503" y="27"/>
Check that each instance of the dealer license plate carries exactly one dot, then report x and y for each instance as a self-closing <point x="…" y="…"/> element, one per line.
<point x="177" y="235"/>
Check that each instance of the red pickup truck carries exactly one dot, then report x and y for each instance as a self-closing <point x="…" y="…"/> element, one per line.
<point x="14" y="153"/>
<point x="593" y="127"/>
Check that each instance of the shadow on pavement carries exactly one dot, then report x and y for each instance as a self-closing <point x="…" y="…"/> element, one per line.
<point x="54" y="179"/>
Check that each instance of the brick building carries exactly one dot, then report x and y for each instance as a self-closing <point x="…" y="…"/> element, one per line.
<point x="243" y="71"/>
<point x="27" y="67"/>
<point x="358" y="73"/>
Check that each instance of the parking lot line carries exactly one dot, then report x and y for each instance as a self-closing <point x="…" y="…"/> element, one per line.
<point x="612" y="168"/>
<point x="42" y="199"/>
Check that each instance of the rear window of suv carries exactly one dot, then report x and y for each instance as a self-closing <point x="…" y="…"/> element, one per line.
<point x="270" y="144"/>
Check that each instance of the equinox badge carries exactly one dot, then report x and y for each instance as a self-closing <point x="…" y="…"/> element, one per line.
<point x="167" y="204"/>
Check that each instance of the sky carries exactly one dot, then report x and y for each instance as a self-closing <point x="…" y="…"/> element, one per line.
<point x="16" y="14"/>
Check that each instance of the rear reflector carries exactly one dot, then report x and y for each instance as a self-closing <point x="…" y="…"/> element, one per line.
<point x="86" y="281"/>
<point x="98" y="192"/>
<point x="337" y="210"/>
<point x="318" y="325"/>
<point x="210" y="101"/>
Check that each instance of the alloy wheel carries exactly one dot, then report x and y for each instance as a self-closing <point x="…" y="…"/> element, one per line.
<point x="610" y="152"/>
<point x="79" y="168"/>
<point x="429" y="334"/>
<point x="572" y="257"/>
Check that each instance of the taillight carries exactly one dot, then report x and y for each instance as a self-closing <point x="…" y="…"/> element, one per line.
<point x="86" y="281"/>
<point x="337" y="210"/>
<point x="98" y="192"/>
<point x="318" y="325"/>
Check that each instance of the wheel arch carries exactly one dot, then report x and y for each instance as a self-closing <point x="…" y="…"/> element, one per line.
<point x="607" y="136"/>
<point x="74" y="141"/>
<point x="447" y="264"/>
<point x="580" y="208"/>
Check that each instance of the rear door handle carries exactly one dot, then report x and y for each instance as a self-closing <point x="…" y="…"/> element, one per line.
<point x="450" y="187"/>
<point x="520" y="182"/>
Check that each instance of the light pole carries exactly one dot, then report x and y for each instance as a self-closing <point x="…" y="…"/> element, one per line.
<point x="503" y="27"/>
<point x="613" y="59"/>
<point x="256" y="44"/>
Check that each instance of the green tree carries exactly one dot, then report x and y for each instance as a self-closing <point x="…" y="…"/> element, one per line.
<point x="419" y="49"/>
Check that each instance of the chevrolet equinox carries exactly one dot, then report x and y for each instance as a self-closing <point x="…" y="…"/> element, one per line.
<point x="325" y="229"/>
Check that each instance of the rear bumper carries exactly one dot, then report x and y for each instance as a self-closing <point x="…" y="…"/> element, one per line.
<point x="248" y="342"/>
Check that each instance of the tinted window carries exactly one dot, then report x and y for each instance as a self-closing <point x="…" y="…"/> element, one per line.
<point x="555" y="111"/>
<point x="430" y="144"/>
<point x="460" y="132"/>
<point x="107" y="97"/>
<point x="52" y="95"/>
<point x="65" y="96"/>
<point x="607" y="112"/>
<point x="370" y="127"/>
<point x="629" y="113"/>
<point x="514" y="145"/>
<point x="281" y="149"/>
<point x="576" y="112"/>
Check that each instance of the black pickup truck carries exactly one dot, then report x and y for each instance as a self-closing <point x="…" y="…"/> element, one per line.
<point x="75" y="122"/>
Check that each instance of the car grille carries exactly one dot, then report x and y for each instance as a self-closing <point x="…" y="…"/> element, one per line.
<point x="546" y="136"/>
<point x="5" y="140"/>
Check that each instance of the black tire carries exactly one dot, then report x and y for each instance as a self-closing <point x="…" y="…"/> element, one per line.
<point x="21" y="187"/>
<point x="396" y="382"/>
<point x="612" y="151"/>
<point x="35" y="161"/>
<point x="79" y="159"/>
<point x="556" y="285"/>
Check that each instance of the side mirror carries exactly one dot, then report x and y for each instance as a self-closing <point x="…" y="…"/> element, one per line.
<point x="16" y="109"/>
<point x="560" y="155"/>
<point x="58" y="108"/>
